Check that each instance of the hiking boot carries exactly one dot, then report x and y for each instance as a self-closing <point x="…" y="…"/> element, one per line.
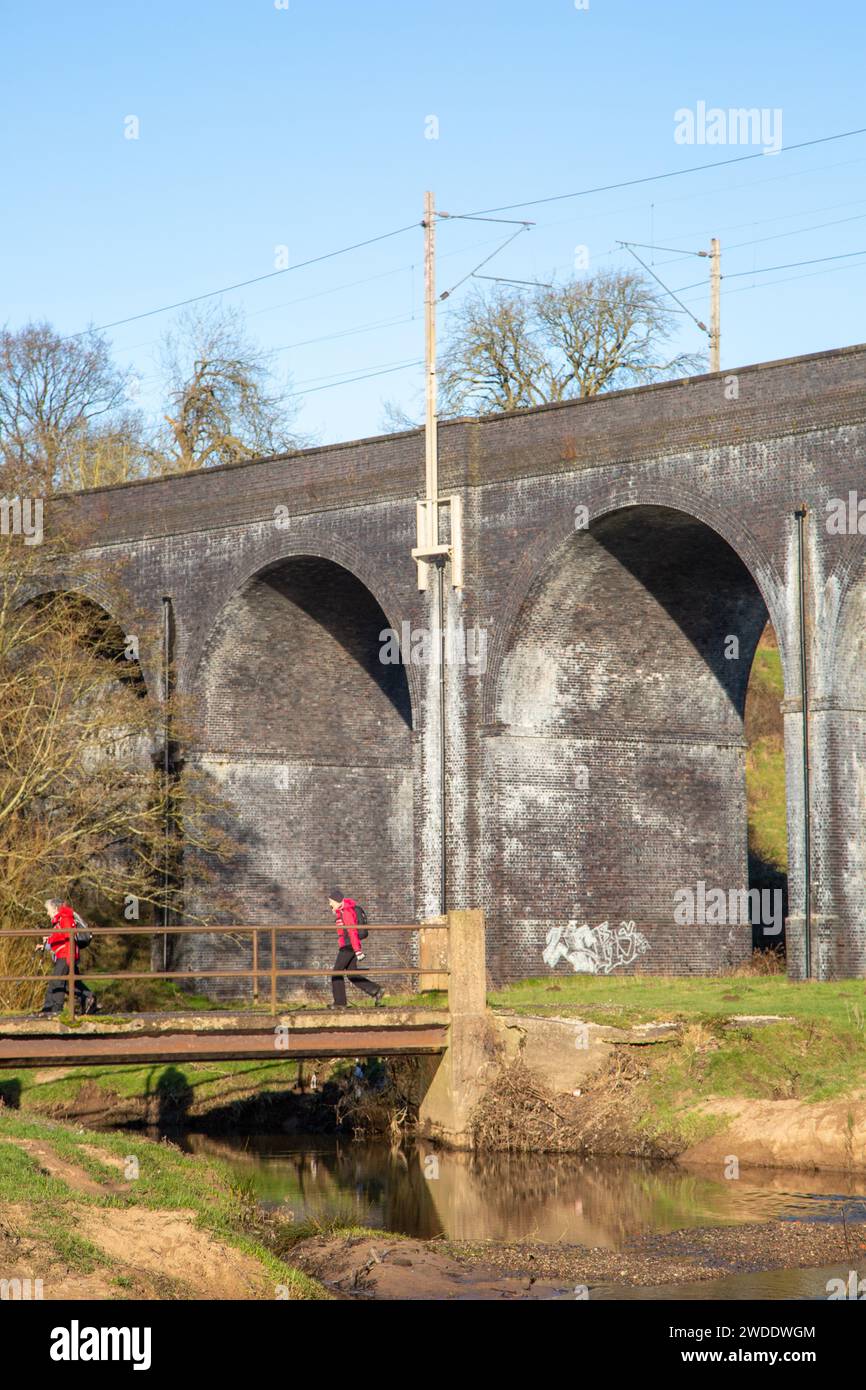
<point x="92" y="1006"/>
<point x="337" y="1006"/>
<point x="378" y="997"/>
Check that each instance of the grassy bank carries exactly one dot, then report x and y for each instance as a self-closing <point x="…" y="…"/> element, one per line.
<point x="112" y="1216"/>
<point x="679" y="1098"/>
<point x="814" y="1053"/>
<point x="190" y="1088"/>
<point x="627" y="1000"/>
<point x="218" y="1095"/>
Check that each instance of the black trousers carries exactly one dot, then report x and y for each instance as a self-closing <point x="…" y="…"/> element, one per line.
<point x="55" y="995"/>
<point x="345" y="960"/>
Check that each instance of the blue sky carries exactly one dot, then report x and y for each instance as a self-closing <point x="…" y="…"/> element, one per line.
<point x="306" y="126"/>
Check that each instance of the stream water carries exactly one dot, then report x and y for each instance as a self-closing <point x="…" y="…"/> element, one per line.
<point x="548" y="1198"/>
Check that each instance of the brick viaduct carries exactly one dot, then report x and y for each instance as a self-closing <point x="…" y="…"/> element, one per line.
<point x="594" y="752"/>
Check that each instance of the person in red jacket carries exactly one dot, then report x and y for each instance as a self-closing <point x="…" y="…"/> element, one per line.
<point x="349" y="952"/>
<point x="59" y="942"/>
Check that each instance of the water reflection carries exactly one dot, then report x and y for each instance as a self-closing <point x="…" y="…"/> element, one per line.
<point x="504" y="1197"/>
<point x="802" y="1285"/>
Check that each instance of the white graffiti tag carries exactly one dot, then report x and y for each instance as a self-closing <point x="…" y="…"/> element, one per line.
<point x="594" y="950"/>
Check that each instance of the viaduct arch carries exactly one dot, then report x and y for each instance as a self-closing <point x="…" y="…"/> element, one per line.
<point x="302" y="727"/>
<point x="620" y="704"/>
<point x="603" y="648"/>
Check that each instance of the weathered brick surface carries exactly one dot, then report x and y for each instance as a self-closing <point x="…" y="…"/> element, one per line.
<point x="606" y="651"/>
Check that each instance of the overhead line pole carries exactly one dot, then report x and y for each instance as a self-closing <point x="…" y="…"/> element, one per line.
<point x="714" y="332"/>
<point x="431" y="472"/>
<point x="715" y="306"/>
<point x="430" y="554"/>
<point x="431" y="455"/>
<point x="430" y="550"/>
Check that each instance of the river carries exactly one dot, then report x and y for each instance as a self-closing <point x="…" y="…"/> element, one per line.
<point x="546" y="1198"/>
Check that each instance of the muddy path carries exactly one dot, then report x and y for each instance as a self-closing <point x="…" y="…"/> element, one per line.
<point x="78" y="1249"/>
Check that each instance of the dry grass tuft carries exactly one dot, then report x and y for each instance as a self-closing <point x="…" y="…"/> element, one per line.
<point x="770" y="961"/>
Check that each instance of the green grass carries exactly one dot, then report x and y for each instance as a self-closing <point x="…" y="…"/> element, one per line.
<point x="76" y="1252"/>
<point x="168" y="1179"/>
<point x="629" y="999"/>
<point x="199" y="1082"/>
<point x="765" y="789"/>
<point x="765" y="762"/>
<point x="812" y="1061"/>
<point x="20" y="1176"/>
<point x="766" y="673"/>
<point x="151" y="996"/>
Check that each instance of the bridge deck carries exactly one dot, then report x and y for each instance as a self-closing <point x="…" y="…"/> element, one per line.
<point x="147" y="1038"/>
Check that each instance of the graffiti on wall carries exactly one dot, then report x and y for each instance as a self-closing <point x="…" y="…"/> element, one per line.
<point x="594" y="950"/>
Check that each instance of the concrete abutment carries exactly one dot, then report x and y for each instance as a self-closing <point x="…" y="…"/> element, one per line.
<point x="457" y="1078"/>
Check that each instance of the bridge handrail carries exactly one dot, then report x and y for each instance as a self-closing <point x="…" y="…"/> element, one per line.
<point x="272" y="972"/>
<point x="212" y="929"/>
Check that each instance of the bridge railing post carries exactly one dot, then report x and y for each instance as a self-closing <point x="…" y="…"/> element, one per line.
<point x="433" y="954"/>
<point x="467" y="963"/>
<point x="273" y="971"/>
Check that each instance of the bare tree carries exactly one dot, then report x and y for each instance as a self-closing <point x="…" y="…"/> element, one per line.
<point x="104" y="455"/>
<point x="395" y="419"/>
<point x="515" y="348"/>
<point x="55" y="394"/>
<point x="84" y="805"/>
<point x="491" y="358"/>
<point x="223" y="402"/>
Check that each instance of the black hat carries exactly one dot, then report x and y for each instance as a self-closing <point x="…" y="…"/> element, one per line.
<point x="336" y="894"/>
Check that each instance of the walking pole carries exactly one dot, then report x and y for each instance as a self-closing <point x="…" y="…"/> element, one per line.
<point x="72" y="976"/>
